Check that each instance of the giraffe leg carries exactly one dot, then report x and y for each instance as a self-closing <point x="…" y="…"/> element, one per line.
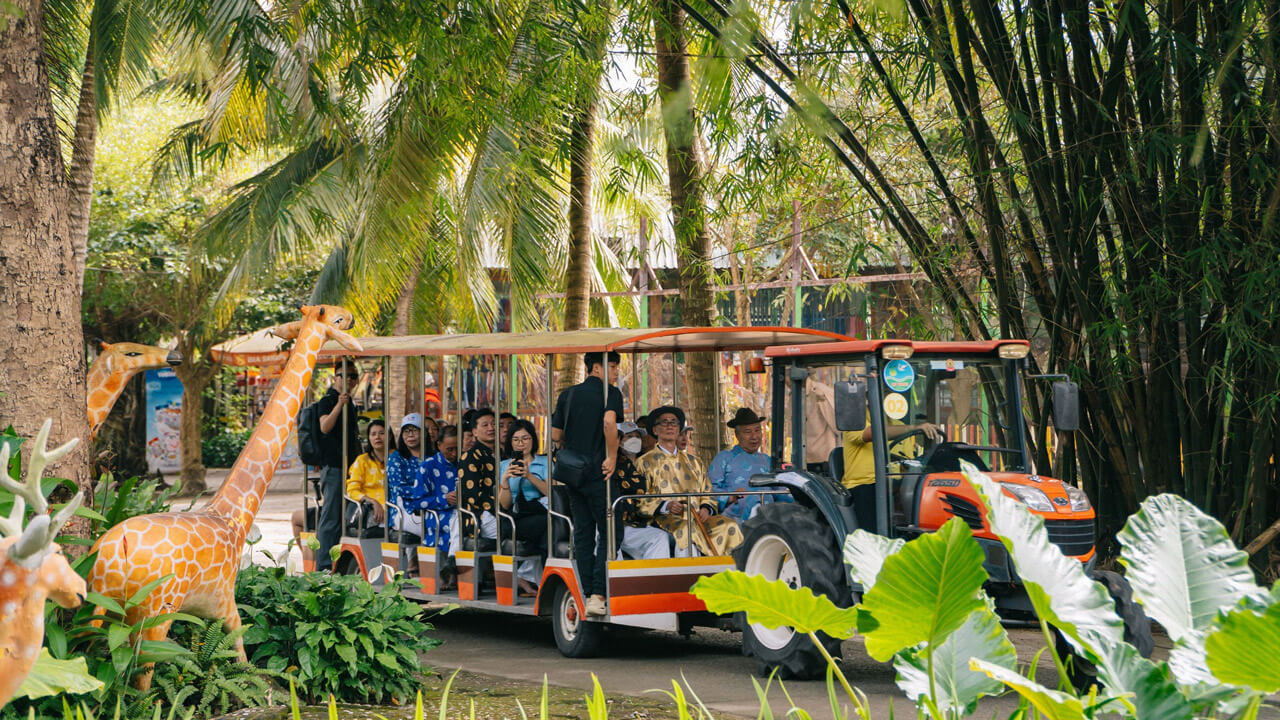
<point x="230" y="615"/>
<point x="158" y="632"/>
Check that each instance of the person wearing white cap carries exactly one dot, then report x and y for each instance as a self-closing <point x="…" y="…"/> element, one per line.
<point x="402" y="473"/>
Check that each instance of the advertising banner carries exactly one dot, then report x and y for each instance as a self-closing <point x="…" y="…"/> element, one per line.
<point x="164" y="421"/>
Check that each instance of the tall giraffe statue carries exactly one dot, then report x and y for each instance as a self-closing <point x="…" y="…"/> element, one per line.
<point x="113" y="368"/>
<point x="32" y="567"/>
<point x="201" y="550"/>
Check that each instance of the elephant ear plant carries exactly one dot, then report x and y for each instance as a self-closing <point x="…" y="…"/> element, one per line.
<point x="924" y="607"/>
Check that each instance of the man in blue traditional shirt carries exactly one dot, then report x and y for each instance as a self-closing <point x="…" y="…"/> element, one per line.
<point x="731" y="469"/>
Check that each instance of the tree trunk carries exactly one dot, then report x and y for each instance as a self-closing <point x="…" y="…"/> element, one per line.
<point x="688" y="206"/>
<point x="195" y="376"/>
<point x="42" y="366"/>
<point x="577" y="276"/>
<point x="399" y="404"/>
<point x="80" y="178"/>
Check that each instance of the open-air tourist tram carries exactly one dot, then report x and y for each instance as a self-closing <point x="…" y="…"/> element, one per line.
<point x="650" y="594"/>
<point x="906" y="412"/>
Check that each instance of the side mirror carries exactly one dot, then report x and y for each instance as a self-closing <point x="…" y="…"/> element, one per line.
<point x="851" y="406"/>
<point x="1066" y="406"/>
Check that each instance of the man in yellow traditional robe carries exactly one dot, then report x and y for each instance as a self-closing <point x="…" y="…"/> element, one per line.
<point x="671" y="470"/>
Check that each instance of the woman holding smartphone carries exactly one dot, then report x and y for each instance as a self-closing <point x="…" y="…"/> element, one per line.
<point x="522" y="492"/>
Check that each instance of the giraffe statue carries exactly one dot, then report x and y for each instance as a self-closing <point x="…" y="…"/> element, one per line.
<point x="32" y="567"/>
<point x="113" y="368"/>
<point x="201" y="550"/>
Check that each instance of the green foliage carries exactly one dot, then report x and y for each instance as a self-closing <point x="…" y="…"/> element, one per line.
<point x="945" y="669"/>
<point x="117" y="502"/>
<point x="1242" y="651"/>
<point x="220" y="450"/>
<point x="337" y="633"/>
<point x="51" y="676"/>
<point x="924" y="592"/>
<point x="773" y="604"/>
<point x="211" y="680"/>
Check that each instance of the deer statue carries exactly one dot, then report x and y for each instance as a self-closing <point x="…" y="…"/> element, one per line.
<point x="32" y="567"/>
<point x="200" y="550"/>
<point x="113" y="368"/>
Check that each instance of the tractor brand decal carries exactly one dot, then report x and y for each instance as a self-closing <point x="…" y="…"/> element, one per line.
<point x="944" y="482"/>
<point x="899" y="375"/>
<point x="895" y="406"/>
<point x="1061" y="501"/>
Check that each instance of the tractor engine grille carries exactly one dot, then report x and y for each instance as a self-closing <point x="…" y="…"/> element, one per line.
<point x="1074" y="537"/>
<point x="965" y="510"/>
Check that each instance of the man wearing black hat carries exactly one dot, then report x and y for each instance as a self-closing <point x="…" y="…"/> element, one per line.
<point x="586" y="422"/>
<point x="731" y="469"/>
<point x="695" y="522"/>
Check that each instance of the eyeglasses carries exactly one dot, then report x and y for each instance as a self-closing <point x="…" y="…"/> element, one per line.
<point x="667" y="423"/>
<point x="353" y="377"/>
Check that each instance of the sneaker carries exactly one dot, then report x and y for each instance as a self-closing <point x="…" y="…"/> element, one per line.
<point x="596" y="606"/>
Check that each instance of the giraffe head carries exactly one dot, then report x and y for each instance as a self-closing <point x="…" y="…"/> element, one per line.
<point x="335" y="321"/>
<point x="128" y="358"/>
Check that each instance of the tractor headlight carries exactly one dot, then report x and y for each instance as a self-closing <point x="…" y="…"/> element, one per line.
<point x="1033" y="498"/>
<point x="1079" y="501"/>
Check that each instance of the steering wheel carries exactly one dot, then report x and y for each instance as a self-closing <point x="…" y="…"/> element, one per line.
<point x="895" y="457"/>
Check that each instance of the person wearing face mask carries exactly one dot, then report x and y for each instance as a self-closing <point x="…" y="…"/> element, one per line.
<point x="668" y="470"/>
<point x="636" y="535"/>
<point x="731" y="469"/>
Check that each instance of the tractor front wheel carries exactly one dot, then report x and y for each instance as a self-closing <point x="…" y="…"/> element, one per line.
<point x="791" y="543"/>
<point x="1137" y="631"/>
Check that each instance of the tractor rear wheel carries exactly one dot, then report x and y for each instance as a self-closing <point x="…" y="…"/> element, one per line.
<point x="1137" y="631"/>
<point x="791" y="543"/>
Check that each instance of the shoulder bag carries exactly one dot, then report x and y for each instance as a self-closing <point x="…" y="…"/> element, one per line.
<point x="570" y="465"/>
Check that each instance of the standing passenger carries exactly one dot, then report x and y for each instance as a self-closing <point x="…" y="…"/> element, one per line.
<point x="329" y="526"/>
<point x="586" y="424"/>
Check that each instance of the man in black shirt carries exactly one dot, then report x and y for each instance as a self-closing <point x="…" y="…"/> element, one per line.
<point x="592" y="430"/>
<point x="329" y="525"/>
<point x="476" y="472"/>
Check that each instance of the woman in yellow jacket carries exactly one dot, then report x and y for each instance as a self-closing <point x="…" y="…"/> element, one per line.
<point x="367" y="477"/>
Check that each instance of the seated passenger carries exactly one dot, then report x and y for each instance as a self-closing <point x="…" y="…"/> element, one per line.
<point x="731" y="469"/>
<point x="402" y="472"/>
<point x="668" y="469"/>
<point x="436" y="488"/>
<point x="476" y="475"/>
<point x="522" y="492"/>
<point x="367" y="479"/>
<point x="637" y="536"/>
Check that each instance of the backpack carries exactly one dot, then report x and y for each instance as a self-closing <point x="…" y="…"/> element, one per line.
<point x="310" y="439"/>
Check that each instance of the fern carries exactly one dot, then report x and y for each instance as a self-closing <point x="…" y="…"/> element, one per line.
<point x="211" y="681"/>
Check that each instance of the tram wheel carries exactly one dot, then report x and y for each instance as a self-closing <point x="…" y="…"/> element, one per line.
<point x="575" y="636"/>
<point x="788" y="542"/>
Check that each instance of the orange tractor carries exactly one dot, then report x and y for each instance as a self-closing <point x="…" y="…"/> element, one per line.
<point x="905" y="414"/>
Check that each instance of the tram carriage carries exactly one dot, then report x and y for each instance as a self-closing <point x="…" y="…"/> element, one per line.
<point x="651" y="594"/>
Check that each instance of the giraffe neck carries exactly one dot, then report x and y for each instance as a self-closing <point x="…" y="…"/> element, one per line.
<point x="104" y="389"/>
<point x="241" y="493"/>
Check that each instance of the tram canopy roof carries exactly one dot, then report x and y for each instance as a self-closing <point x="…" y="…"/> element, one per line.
<point x="622" y="340"/>
<point x="855" y="347"/>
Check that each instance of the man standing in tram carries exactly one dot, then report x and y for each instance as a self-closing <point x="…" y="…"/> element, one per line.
<point x="731" y="469"/>
<point x="586" y="426"/>
<point x="671" y="470"/>
<point x="329" y="525"/>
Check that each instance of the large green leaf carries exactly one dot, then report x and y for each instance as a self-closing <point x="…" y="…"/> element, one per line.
<point x="51" y="676"/>
<point x="1245" y="650"/>
<point x="1082" y="609"/>
<point x="773" y="604"/>
<point x="865" y="552"/>
<point x="958" y="686"/>
<point x="1052" y="704"/>
<point x="925" y="591"/>
<point x="1183" y="566"/>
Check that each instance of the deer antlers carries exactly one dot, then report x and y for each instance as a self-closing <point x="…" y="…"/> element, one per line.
<point x="37" y="537"/>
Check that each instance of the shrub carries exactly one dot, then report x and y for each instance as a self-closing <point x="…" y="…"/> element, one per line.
<point x="211" y="680"/>
<point x="336" y="633"/>
<point x="221" y="449"/>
